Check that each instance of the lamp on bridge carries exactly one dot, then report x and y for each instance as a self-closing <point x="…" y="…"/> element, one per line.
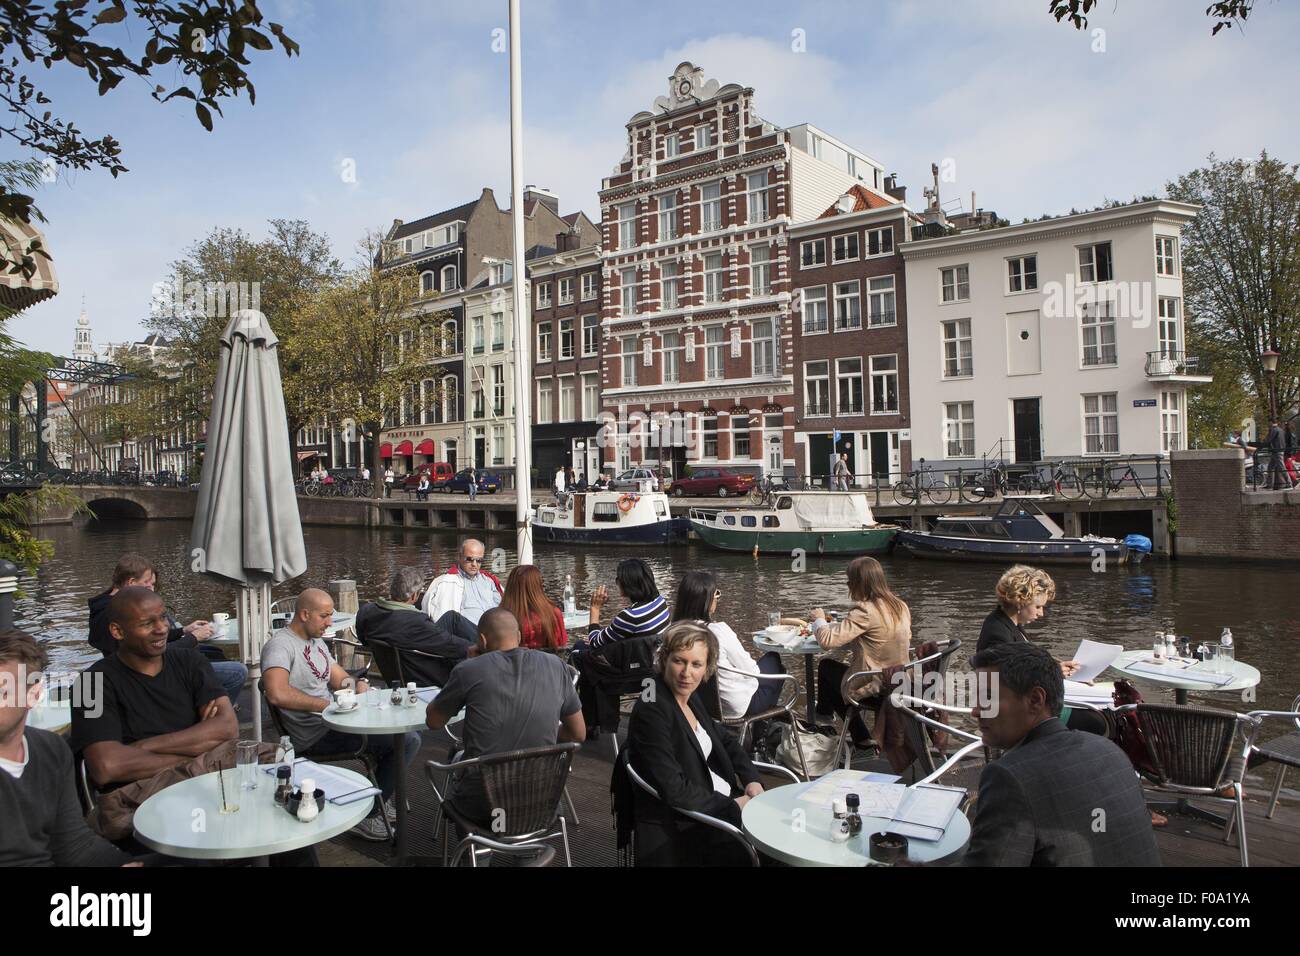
<point x="1269" y="360"/>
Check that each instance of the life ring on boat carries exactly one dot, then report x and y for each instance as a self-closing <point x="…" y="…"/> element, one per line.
<point x="627" y="502"/>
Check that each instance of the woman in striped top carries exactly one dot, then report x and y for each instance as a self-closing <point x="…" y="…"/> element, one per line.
<point x="645" y="615"/>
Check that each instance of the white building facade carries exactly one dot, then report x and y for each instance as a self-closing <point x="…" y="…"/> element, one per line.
<point x="489" y="436"/>
<point x="1061" y="338"/>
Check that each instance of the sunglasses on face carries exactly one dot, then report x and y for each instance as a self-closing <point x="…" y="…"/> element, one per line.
<point x="472" y="560"/>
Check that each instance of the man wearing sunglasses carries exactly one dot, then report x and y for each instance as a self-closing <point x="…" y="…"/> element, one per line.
<point x="467" y="587"/>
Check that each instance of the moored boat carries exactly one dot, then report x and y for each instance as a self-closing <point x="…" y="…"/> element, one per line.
<point x="817" y="522"/>
<point x="610" y="517"/>
<point x="1017" y="531"/>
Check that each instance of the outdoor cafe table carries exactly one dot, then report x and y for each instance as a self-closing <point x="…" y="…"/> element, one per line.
<point x="808" y="647"/>
<point x="770" y="823"/>
<point x="385" y="719"/>
<point x="166" y="821"/>
<point x="230" y="638"/>
<point x="1244" y="676"/>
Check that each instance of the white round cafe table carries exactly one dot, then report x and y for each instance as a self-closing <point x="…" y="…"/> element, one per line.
<point x="769" y="822"/>
<point x="168" y="823"/>
<point x="54" y="716"/>
<point x="807" y="648"/>
<point x="384" y="719"/>
<point x="1244" y="676"/>
<point x="578" y="620"/>
<point x="230" y="637"/>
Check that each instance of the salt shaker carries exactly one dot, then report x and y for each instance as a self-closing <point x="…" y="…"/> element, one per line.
<point x="307" y="808"/>
<point x="412" y="698"/>
<point x="395" y="697"/>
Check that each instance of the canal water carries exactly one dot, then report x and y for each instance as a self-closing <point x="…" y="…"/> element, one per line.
<point x="948" y="599"/>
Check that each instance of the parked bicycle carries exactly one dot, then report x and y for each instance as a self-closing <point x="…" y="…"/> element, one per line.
<point x="766" y="489"/>
<point x="1100" y="484"/>
<point x="924" y="482"/>
<point x="1061" y="482"/>
<point x="987" y="483"/>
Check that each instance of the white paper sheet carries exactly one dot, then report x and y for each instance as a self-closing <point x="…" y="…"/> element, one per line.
<point x="839" y="783"/>
<point x="925" y="811"/>
<point x="1093" y="658"/>
<point x="1098" y="694"/>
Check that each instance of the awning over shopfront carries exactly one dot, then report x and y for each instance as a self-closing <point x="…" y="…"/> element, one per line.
<point x="385" y="450"/>
<point x="425" y="447"/>
<point x="17" y="291"/>
<point x="403" y="449"/>
<point x="304" y="455"/>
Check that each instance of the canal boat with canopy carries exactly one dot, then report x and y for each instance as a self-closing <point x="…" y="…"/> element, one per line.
<point x="818" y="522"/>
<point x="1018" y="531"/>
<point x="610" y="517"/>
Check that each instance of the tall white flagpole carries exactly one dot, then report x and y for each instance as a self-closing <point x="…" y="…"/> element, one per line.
<point x="523" y="350"/>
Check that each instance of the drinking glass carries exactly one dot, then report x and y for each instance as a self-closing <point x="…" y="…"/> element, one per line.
<point x="1227" y="657"/>
<point x="375" y="698"/>
<point x="229" y="793"/>
<point x="773" y="618"/>
<point x="1158" y="649"/>
<point x="246" y="761"/>
<point x="1211" y="662"/>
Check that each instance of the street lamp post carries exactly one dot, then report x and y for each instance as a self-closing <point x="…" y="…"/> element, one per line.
<point x="1269" y="360"/>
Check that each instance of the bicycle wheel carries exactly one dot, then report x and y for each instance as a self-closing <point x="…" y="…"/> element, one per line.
<point x="940" y="492"/>
<point x="313" y="489"/>
<point x="905" y="493"/>
<point x="1096" y="484"/>
<point x="757" y="494"/>
<point x="1070" y="486"/>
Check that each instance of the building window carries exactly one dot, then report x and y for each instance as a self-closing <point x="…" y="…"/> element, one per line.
<point x="756" y="201"/>
<point x="713" y="277"/>
<point x="498" y="331"/>
<point x="668" y="284"/>
<point x="1095" y="263"/>
<point x="884" y="384"/>
<point x="672" y="357"/>
<point x="740" y="444"/>
<point x="496" y="273"/>
<point x="667" y="216"/>
<point x="1098" y="325"/>
<point x="627" y="291"/>
<point x="703" y="136"/>
<point x="431" y="407"/>
<point x="959" y="429"/>
<point x="566" y="339"/>
<point x="566" y="291"/>
<point x="880" y="302"/>
<point x="817" y="388"/>
<point x="626" y="225"/>
<point x="426" y="282"/>
<point x="498" y="389"/>
<point x="589" y="285"/>
<point x="1022" y="274"/>
<point x="476" y="334"/>
<point x="880" y="242"/>
<point x="1101" y="424"/>
<point x="711" y="207"/>
<point x="1167" y="309"/>
<point x="543" y="341"/>
<point x="1166" y="256"/>
<point x="1171" y="422"/>
<point x="479" y="401"/>
<point x="709" y="435"/>
<point x="844" y="248"/>
<point x="590" y="396"/>
<point x="848" y="380"/>
<point x="566" y="398"/>
<point x="814" y="309"/>
<point x="448" y="278"/>
<point x="812" y="253"/>
<point x="848" y="306"/>
<point x="590" y="334"/>
<point x="450" y="390"/>
<point x="671" y="143"/>
<point x="760" y="270"/>
<point x="627" y="349"/>
<point x="955" y="283"/>
<point x="714" y="369"/>
<point x="544" y="398"/>
<point x="498" y="444"/>
<point x="957" y="358"/>
<point x="765" y="348"/>
<point x="544" y="295"/>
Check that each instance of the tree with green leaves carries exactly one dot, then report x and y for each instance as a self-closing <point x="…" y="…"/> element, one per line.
<point x="1241" y="276"/>
<point x="196" y="50"/>
<point x="1224" y="13"/>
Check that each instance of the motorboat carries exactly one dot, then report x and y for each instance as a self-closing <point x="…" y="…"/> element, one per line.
<point x="610" y="517"/>
<point x="816" y="522"/>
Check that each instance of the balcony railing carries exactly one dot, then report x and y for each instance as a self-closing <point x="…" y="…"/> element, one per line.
<point x="882" y="317"/>
<point x="1171" y="362"/>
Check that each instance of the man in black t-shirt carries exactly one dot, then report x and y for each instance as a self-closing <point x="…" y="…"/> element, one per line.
<point x="146" y="709"/>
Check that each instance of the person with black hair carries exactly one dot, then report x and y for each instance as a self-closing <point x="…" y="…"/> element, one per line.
<point x="645" y="615"/>
<point x="1056" y="797"/>
<point x="697" y="600"/>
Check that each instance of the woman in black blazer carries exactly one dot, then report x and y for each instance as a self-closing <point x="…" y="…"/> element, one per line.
<point x="693" y="764"/>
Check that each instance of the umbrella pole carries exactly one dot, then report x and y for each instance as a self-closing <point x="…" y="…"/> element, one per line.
<point x="254" y="631"/>
<point x="522" y="324"/>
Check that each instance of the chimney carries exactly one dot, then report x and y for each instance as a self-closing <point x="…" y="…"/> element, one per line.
<point x="544" y="196"/>
<point x="566" y="241"/>
<point x="893" y="189"/>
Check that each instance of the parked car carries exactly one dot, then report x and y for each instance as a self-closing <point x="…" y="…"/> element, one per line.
<point x="633" y="479"/>
<point x="723" y="482"/>
<point x="437" y="471"/>
<point x="459" y="482"/>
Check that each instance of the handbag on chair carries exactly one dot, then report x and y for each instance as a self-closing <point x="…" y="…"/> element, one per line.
<point x="819" y="750"/>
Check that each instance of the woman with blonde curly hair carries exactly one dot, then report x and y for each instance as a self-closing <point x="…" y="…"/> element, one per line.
<point x="1023" y="594"/>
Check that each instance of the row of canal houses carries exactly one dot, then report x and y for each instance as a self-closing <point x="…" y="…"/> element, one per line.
<point x="764" y="298"/>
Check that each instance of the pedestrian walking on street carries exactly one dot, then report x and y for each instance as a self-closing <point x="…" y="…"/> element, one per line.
<point x="841" y="473"/>
<point x="1277" y="476"/>
<point x="473" y="483"/>
<point x="388" y="481"/>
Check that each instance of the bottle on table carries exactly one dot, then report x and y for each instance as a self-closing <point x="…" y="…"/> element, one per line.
<point x="1227" y="654"/>
<point x="412" y="698"/>
<point x="284" y="757"/>
<point x="853" y="818"/>
<point x="283" y="785"/>
<point x="395" y="696"/>
<point x="307" y="808"/>
<point x="570" y="598"/>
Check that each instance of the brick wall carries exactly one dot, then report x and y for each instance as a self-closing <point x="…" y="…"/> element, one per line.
<point x="1218" y="518"/>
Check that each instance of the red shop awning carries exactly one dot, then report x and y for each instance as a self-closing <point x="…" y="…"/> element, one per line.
<point x="403" y="449"/>
<point x="385" y="450"/>
<point x="425" y="448"/>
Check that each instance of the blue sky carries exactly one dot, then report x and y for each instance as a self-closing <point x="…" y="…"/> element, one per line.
<point x="1034" y="116"/>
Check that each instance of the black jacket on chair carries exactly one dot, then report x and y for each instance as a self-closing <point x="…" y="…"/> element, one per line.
<point x="408" y="628"/>
<point x="664" y="751"/>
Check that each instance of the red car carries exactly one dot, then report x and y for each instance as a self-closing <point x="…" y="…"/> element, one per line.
<point x="722" y="482"/>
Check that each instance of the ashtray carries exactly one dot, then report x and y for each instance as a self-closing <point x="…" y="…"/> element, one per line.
<point x="887" y="847"/>
<point x="295" y="798"/>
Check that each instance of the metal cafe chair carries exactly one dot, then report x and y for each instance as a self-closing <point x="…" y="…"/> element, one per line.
<point x="1284" y="750"/>
<point x="703" y="818"/>
<point x="915" y="722"/>
<point x="534" y="854"/>
<point x="784" y="706"/>
<point x="524" y="787"/>
<point x="1192" y="750"/>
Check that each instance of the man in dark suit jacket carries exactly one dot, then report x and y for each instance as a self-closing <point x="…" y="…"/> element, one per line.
<point x="1057" y="797"/>
<point x="400" y="623"/>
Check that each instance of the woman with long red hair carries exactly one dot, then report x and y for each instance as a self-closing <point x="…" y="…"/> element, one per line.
<point x="541" y="623"/>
